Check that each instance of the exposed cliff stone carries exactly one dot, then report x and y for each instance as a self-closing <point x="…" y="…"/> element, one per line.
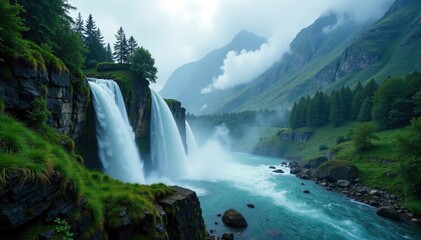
<point x="179" y="114"/>
<point x="140" y="109"/>
<point x="26" y="204"/>
<point x="184" y="215"/>
<point x="66" y="102"/>
<point x="296" y="136"/>
<point x="268" y="149"/>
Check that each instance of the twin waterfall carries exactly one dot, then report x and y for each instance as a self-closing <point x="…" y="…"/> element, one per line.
<point x="116" y="141"/>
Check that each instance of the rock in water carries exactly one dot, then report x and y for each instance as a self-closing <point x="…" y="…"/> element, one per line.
<point x="306" y="191"/>
<point x="278" y="171"/>
<point x="388" y="212"/>
<point x="272" y="167"/>
<point x="250" y="205"/>
<point x="228" y="236"/>
<point x="233" y="218"/>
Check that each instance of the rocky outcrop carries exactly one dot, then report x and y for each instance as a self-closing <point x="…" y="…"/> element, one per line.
<point x="337" y="170"/>
<point x="267" y="148"/>
<point x="66" y="101"/>
<point x="179" y="114"/>
<point x="233" y="218"/>
<point x="25" y="204"/>
<point x="140" y="109"/>
<point x="296" y="136"/>
<point x="184" y="215"/>
<point x="315" y="162"/>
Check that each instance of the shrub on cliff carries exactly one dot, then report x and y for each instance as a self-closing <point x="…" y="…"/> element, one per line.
<point x="143" y="65"/>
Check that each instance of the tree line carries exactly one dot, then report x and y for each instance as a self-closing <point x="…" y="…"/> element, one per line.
<point x="392" y="104"/>
<point x="30" y="29"/>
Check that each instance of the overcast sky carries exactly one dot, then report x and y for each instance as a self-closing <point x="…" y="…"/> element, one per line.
<point x="180" y="31"/>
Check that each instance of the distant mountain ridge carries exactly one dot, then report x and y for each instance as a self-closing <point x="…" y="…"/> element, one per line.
<point x="188" y="80"/>
<point x="324" y="57"/>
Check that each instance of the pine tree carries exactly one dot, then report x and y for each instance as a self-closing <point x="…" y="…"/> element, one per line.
<point x="364" y="114"/>
<point x="345" y="96"/>
<point x="132" y="46"/>
<point x="370" y="89"/>
<point x="293" y="123"/>
<point x="337" y="111"/>
<point x="357" y="101"/>
<point x="109" y="56"/>
<point x="78" y="26"/>
<point x="318" y="110"/>
<point x="121" y="49"/>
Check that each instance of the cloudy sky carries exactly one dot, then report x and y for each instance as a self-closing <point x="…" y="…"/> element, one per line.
<point x="180" y="31"/>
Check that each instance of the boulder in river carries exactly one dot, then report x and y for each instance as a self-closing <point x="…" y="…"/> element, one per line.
<point x="306" y="191"/>
<point x="250" y="205"/>
<point x="278" y="171"/>
<point x="227" y="236"/>
<point x="388" y="212"/>
<point x="233" y="218"/>
<point x="272" y="167"/>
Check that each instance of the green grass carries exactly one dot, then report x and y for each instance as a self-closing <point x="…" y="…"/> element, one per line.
<point x="35" y="156"/>
<point x="124" y="78"/>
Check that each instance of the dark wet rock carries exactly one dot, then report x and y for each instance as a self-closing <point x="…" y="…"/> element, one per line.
<point x="294" y="165"/>
<point x="388" y="212"/>
<point x="284" y="163"/>
<point x="218" y="215"/>
<point x="228" y="236"/>
<point x="233" y="218"/>
<point x="343" y="183"/>
<point x="295" y="170"/>
<point x="304" y="177"/>
<point x="329" y="189"/>
<point x="272" y="167"/>
<point x="250" y="205"/>
<point x="216" y="223"/>
<point x="374" y="203"/>
<point x="278" y="171"/>
<point x="302" y="184"/>
<point x="306" y="191"/>
<point x="315" y="162"/>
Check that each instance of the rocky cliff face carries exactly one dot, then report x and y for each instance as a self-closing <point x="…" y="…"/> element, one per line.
<point x="140" y="109"/>
<point x="66" y="102"/>
<point x="28" y="204"/>
<point x="179" y="114"/>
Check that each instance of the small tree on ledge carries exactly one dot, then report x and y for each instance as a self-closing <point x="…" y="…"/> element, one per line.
<point x="362" y="136"/>
<point x="143" y="65"/>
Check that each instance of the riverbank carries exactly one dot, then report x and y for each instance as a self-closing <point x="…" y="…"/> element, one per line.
<point x="356" y="191"/>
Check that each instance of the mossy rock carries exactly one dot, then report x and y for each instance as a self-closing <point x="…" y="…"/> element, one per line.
<point x="335" y="170"/>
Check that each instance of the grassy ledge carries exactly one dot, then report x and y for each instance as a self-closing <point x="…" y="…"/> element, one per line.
<point x="36" y="156"/>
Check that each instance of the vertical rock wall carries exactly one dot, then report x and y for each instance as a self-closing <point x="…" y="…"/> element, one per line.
<point x="66" y="103"/>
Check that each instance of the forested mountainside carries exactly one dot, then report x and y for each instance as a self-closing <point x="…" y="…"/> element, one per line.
<point x="327" y="60"/>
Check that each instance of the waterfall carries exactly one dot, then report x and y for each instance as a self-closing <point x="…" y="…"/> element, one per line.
<point x="117" y="149"/>
<point x="191" y="140"/>
<point x="167" y="151"/>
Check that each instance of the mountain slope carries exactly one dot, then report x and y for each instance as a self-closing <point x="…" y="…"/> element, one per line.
<point x="390" y="46"/>
<point x="187" y="81"/>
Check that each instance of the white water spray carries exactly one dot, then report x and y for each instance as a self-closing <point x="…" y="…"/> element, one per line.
<point x="117" y="149"/>
<point x="167" y="151"/>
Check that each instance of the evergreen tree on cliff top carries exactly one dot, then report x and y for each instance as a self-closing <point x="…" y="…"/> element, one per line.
<point x="121" y="48"/>
<point x="143" y="65"/>
<point x="132" y="46"/>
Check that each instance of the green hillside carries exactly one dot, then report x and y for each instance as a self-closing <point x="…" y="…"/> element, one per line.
<point x="373" y="165"/>
<point x="391" y="46"/>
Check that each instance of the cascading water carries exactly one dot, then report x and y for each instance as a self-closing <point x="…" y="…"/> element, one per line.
<point x="167" y="151"/>
<point x="117" y="149"/>
<point x="191" y="140"/>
